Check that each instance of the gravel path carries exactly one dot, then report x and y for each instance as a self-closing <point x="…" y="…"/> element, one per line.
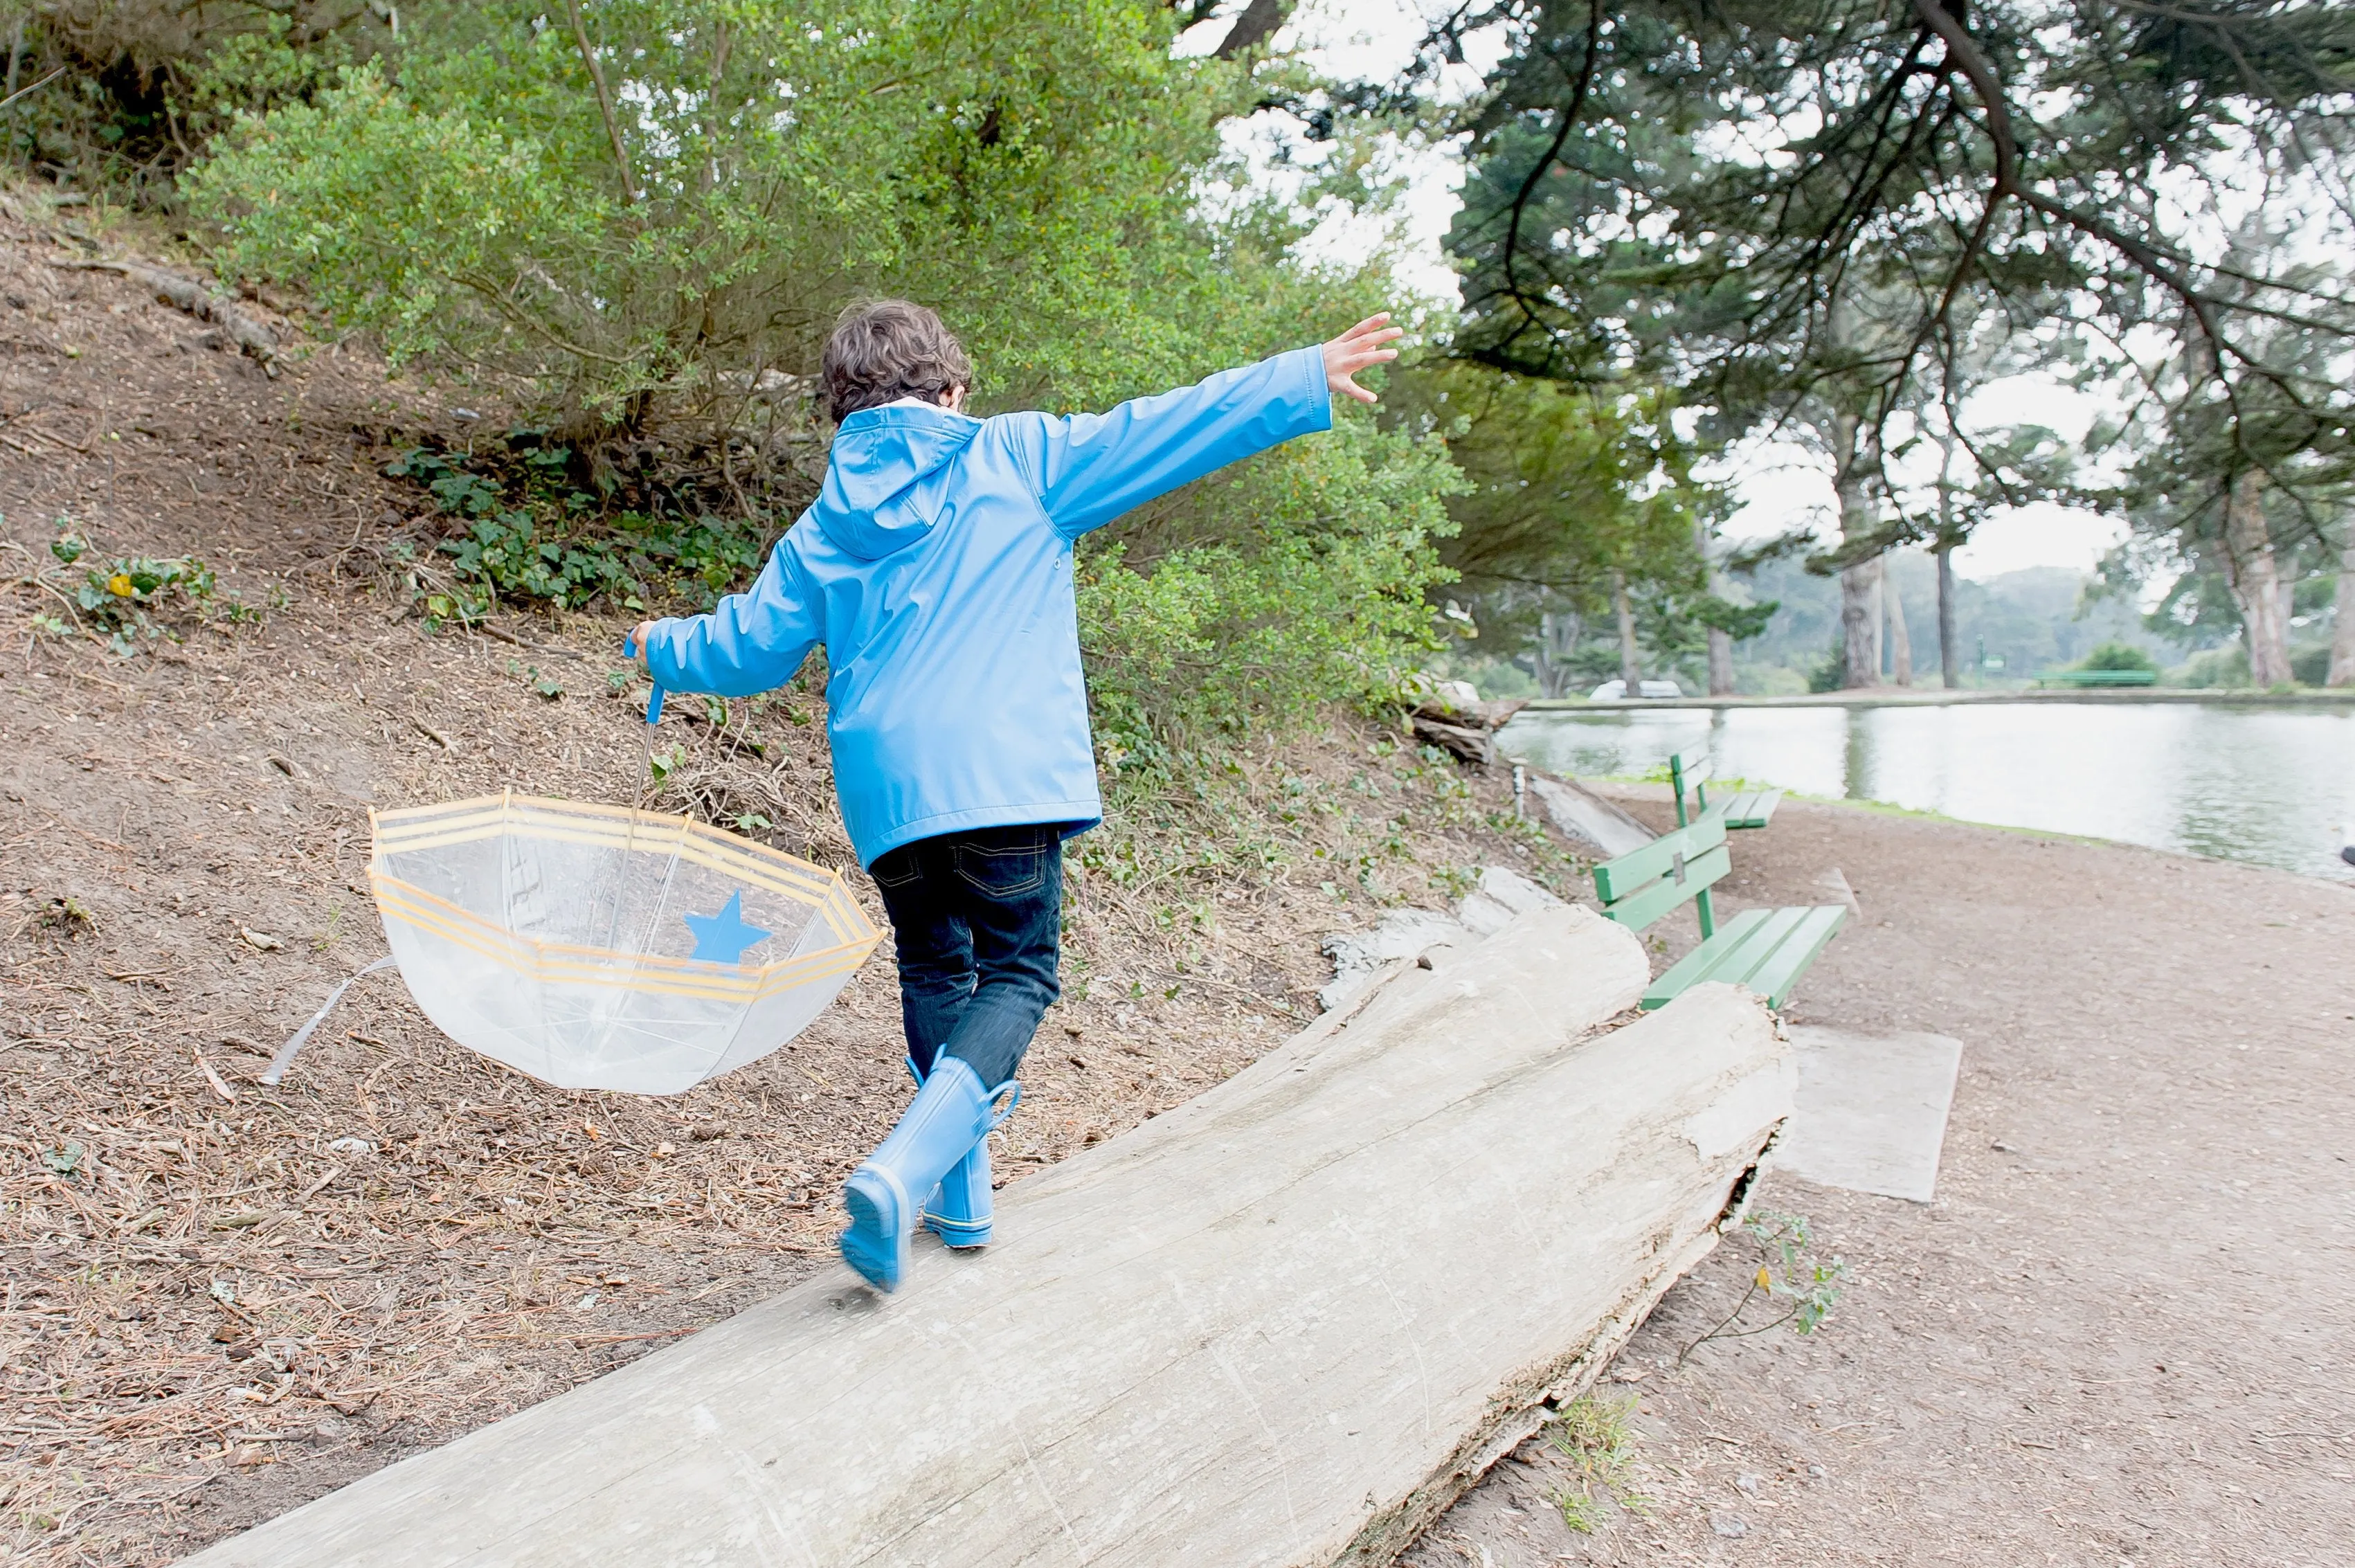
<point x="2124" y="1332"/>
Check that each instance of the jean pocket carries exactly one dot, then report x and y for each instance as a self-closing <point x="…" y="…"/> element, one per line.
<point x="897" y="870"/>
<point x="1003" y="871"/>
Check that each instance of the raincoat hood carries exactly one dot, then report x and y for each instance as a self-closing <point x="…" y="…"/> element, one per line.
<point x="875" y="501"/>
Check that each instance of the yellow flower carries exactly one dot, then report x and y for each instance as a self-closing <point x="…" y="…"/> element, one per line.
<point x="120" y="586"/>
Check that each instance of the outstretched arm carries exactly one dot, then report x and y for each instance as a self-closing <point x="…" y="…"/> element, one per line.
<point x="750" y="642"/>
<point x="1090" y="468"/>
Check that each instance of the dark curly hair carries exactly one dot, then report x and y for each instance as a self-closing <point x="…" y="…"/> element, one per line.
<point x="883" y="350"/>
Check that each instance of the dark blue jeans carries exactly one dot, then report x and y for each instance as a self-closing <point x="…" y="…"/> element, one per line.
<point x="978" y="918"/>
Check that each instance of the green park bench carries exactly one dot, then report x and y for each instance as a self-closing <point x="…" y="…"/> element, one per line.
<point x="2098" y="677"/>
<point x="1743" y="808"/>
<point x="1765" y="949"/>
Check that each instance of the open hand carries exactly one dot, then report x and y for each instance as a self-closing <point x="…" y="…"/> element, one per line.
<point x="1356" y="349"/>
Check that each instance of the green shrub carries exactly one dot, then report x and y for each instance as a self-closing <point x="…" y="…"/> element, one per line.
<point x="525" y="534"/>
<point x="739" y="172"/>
<point x="1308" y="591"/>
<point x="2118" y="655"/>
<point x="2226" y="668"/>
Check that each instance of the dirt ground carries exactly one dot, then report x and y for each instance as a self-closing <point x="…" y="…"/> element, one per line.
<point x="221" y="1300"/>
<point x="2123" y="1334"/>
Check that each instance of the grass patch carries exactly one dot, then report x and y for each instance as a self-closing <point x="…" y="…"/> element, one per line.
<point x="1592" y="1434"/>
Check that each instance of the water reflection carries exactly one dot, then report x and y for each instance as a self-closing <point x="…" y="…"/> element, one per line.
<point x="2266" y="784"/>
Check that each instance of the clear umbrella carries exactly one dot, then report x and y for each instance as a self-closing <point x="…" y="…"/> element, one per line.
<point x="602" y="947"/>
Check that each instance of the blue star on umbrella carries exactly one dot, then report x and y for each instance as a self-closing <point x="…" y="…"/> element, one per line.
<point x="723" y="938"/>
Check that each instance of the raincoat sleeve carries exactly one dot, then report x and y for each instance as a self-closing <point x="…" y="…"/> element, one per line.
<point x="1090" y="468"/>
<point x="751" y="642"/>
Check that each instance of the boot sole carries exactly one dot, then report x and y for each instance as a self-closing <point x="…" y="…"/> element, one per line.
<point x="876" y="1245"/>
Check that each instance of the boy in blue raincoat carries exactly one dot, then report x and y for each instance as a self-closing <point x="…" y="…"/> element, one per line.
<point x="936" y="568"/>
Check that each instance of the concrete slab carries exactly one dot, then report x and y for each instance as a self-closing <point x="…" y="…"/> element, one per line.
<point x="1871" y="1111"/>
<point x="1579" y="812"/>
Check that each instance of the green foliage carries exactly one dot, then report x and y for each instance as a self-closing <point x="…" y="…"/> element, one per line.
<point x="1298" y="583"/>
<point x="702" y="187"/>
<point x="1594" y="1435"/>
<point x="1789" y="1272"/>
<point x="1567" y="489"/>
<point x="2118" y="655"/>
<point x="129" y="599"/>
<point x="142" y="83"/>
<point x="1718" y="194"/>
<point x="525" y="534"/>
<point x="640" y="223"/>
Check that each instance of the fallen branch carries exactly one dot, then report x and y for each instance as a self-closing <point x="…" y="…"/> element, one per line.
<point x="248" y="333"/>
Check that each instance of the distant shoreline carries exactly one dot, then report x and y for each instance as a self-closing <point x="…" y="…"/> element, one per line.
<point x="1903" y="697"/>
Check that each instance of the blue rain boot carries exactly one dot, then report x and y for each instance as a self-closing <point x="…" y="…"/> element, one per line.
<point x="959" y="1209"/>
<point x="949" y="1115"/>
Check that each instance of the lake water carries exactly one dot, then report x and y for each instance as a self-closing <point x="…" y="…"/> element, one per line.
<point x="2270" y="785"/>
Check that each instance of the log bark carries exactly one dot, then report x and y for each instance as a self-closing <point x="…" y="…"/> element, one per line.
<point x="185" y="293"/>
<point x="1468" y="744"/>
<point x="1286" y="1323"/>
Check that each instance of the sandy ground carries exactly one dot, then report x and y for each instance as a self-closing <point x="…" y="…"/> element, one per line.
<point x="2124" y="1332"/>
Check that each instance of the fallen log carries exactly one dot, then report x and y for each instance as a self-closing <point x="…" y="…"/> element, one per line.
<point x="1286" y="1323"/>
<point x="186" y="294"/>
<point x="1468" y="744"/>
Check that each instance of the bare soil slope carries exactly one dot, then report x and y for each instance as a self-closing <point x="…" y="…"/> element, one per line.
<point x="2123" y="1333"/>
<point x="220" y="1300"/>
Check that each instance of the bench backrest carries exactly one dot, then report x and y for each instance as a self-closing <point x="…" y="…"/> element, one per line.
<point x="1642" y="885"/>
<point x="1689" y="772"/>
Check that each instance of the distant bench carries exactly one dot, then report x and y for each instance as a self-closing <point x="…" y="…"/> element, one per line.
<point x="2098" y="677"/>
<point x="1765" y="949"/>
<point x="1746" y="808"/>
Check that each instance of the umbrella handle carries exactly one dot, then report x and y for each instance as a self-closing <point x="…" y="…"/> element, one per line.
<point x="653" y="703"/>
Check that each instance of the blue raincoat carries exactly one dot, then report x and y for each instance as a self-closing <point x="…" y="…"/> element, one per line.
<point x="936" y="568"/>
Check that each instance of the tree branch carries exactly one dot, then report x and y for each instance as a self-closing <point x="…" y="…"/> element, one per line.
<point x="604" y="102"/>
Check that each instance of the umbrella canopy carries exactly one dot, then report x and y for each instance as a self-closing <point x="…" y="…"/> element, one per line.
<point x="598" y="947"/>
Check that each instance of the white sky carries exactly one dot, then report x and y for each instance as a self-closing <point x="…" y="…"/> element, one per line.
<point x="1780" y="486"/>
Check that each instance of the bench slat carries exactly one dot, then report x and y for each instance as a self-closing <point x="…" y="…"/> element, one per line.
<point x="1740" y="945"/>
<point x="1641" y="908"/>
<point x="1781" y="971"/>
<point x="1614" y="879"/>
<point x="1704" y="962"/>
<point x="1753" y="808"/>
<point x="1765" y="950"/>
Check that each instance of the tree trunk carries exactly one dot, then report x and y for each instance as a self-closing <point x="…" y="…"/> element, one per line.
<point x="1859" y="613"/>
<point x="2342" y="632"/>
<point x="1720" y="663"/>
<point x="1901" y="641"/>
<point x="1720" y="642"/>
<point x="1950" y="656"/>
<point x="1631" y="669"/>
<point x="1558" y="635"/>
<point x="2254" y="578"/>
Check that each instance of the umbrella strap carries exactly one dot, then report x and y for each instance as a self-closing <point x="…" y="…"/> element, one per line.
<point x="285" y="1057"/>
